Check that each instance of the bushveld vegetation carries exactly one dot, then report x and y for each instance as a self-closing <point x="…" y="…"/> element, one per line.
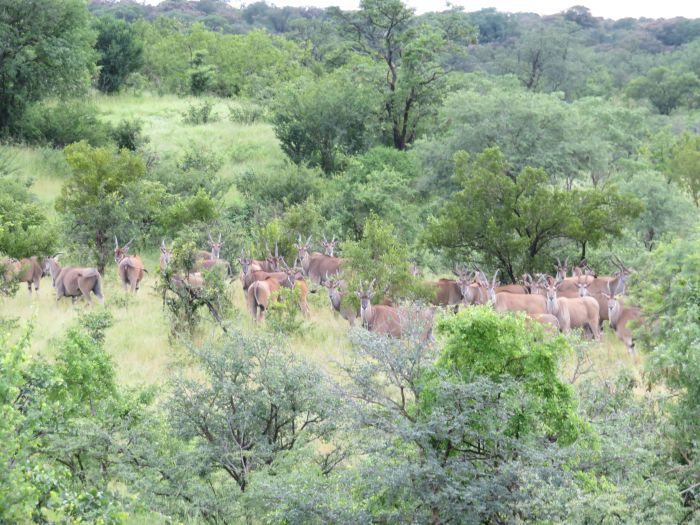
<point x="265" y="207"/>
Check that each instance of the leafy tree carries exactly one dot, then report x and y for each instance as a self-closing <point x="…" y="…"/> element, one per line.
<point x="409" y="53"/>
<point x="255" y="403"/>
<point x="120" y="50"/>
<point x="42" y="55"/>
<point x="665" y="89"/>
<point x="669" y="294"/>
<point x="381" y="256"/>
<point x="493" y="25"/>
<point x="684" y="165"/>
<point x="512" y="218"/>
<point x="106" y="195"/>
<point x="320" y="121"/>
<point x="24" y="228"/>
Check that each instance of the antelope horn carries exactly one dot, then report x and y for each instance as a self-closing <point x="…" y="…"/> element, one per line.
<point x="558" y="262"/>
<point x="162" y="243"/>
<point x="219" y="237"/>
<point x="495" y="276"/>
<point x="308" y="241"/>
<point x="325" y="241"/>
<point x="333" y="239"/>
<point x="209" y="234"/>
<point x="116" y="242"/>
<point x="371" y="285"/>
<point x="566" y="262"/>
<point x="276" y="250"/>
<point x="128" y="243"/>
<point x="267" y="248"/>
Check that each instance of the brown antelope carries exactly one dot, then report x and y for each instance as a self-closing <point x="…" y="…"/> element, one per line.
<point x="598" y="286"/>
<point x="329" y="246"/>
<point x="10" y="268"/>
<point x="448" y="291"/>
<point x="619" y="316"/>
<point x="580" y="312"/>
<point x="384" y="319"/>
<point x="337" y="290"/>
<point x="316" y="265"/>
<point x="129" y="267"/>
<point x="30" y="271"/>
<point x="471" y="291"/>
<point x="193" y="281"/>
<point x="531" y="304"/>
<point x="260" y="293"/>
<point x="547" y="320"/>
<point x="381" y="319"/>
<point x="73" y="282"/>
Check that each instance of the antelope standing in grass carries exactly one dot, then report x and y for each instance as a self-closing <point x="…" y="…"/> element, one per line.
<point x="260" y="293"/>
<point x="329" y="246"/>
<point x="337" y="290"/>
<point x="384" y="319"/>
<point x="27" y="270"/>
<point x="250" y="275"/>
<point x="579" y="312"/>
<point x="215" y="249"/>
<point x="533" y="305"/>
<point x="619" y="316"/>
<point x="73" y="282"/>
<point x="129" y="267"/>
<point x="316" y="265"/>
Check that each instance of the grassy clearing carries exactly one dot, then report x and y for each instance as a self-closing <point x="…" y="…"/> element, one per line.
<point x="138" y="340"/>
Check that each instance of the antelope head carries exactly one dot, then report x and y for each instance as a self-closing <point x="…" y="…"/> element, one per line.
<point x="562" y="269"/>
<point x="120" y="253"/>
<point x="622" y="271"/>
<point x="51" y="266"/>
<point x="582" y="285"/>
<point x="329" y="246"/>
<point x="303" y="248"/>
<point x="551" y="289"/>
<point x="365" y="297"/>
<point x="215" y="246"/>
<point x="245" y="262"/>
<point x="466" y="287"/>
<point x="613" y="302"/>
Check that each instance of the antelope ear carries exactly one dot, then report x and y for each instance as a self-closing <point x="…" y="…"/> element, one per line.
<point x="359" y="294"/>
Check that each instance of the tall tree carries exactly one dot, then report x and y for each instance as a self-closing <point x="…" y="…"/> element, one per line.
<point x="387" y="31"/>
<point x="121" y="52"/>
<point x="46" y="50"/>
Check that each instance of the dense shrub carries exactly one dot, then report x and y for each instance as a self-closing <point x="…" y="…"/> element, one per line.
<point x="199" y="113"/>
<point x="127" y="134"/>
<point x="63" y="123"/>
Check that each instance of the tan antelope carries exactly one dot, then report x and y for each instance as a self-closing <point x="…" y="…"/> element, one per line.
<point x="547" y="320"/>
<point x="316" y="265"/>
<point x="532" y="304"/>
<point x="129" y="267"/>
<point x="448" y="291"/>
<point x="215" y="249"/>
<point x="73" y="282"/>
<point x="260" y="293"/>
<point x="337" y="290"/>
<point x="599" y="286"/>
<point x="620" y="316"/>
<point x="579" y="312"/>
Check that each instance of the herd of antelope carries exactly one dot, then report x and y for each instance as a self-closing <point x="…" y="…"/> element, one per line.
<point x="563" y="302"/>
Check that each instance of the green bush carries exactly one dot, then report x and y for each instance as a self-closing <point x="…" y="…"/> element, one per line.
<point x="199" y="114"/>
<point x="64" y="123"/>
<point x="127" y="134"/>
<point x="246" y="113"/>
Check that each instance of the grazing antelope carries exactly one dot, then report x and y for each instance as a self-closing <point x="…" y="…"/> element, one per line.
<point x="579" y="312"/>
<point x="619" y="316"/>
<point x="260" y="292"/>
<point x="531" y="304"/>
<point x="337" y="290"/>
<point x="316" y="265"/>
<point x="73" y="282"/>
<point x="129" y="267"/>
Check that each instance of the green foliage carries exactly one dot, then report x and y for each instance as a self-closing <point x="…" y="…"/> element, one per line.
<point x="482" y="342"/>
<point x="199" y="114"/>
<point x="284" y="315"/>
<point x="42" y="55"/>
<point x="127" y="134"/>
<point x="106" y="195"/>
<point x="63" y="123"/>
<point x="321" y="120"/>
<point x="246" y="112"/>
<point x="684" y="165"/>
<point x="254" y="403"/>
<point x="378" y="256"/>
<point x="24" y="228"/>
<point x="665" y="89"/>
<point x="668" y="291"/>
<point x="512" y="218"/>
<point x="120" y="53"/>
<point x="408" y="54"/>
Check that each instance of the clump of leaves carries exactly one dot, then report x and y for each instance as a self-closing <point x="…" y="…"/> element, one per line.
<point x="199" y="113"/>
